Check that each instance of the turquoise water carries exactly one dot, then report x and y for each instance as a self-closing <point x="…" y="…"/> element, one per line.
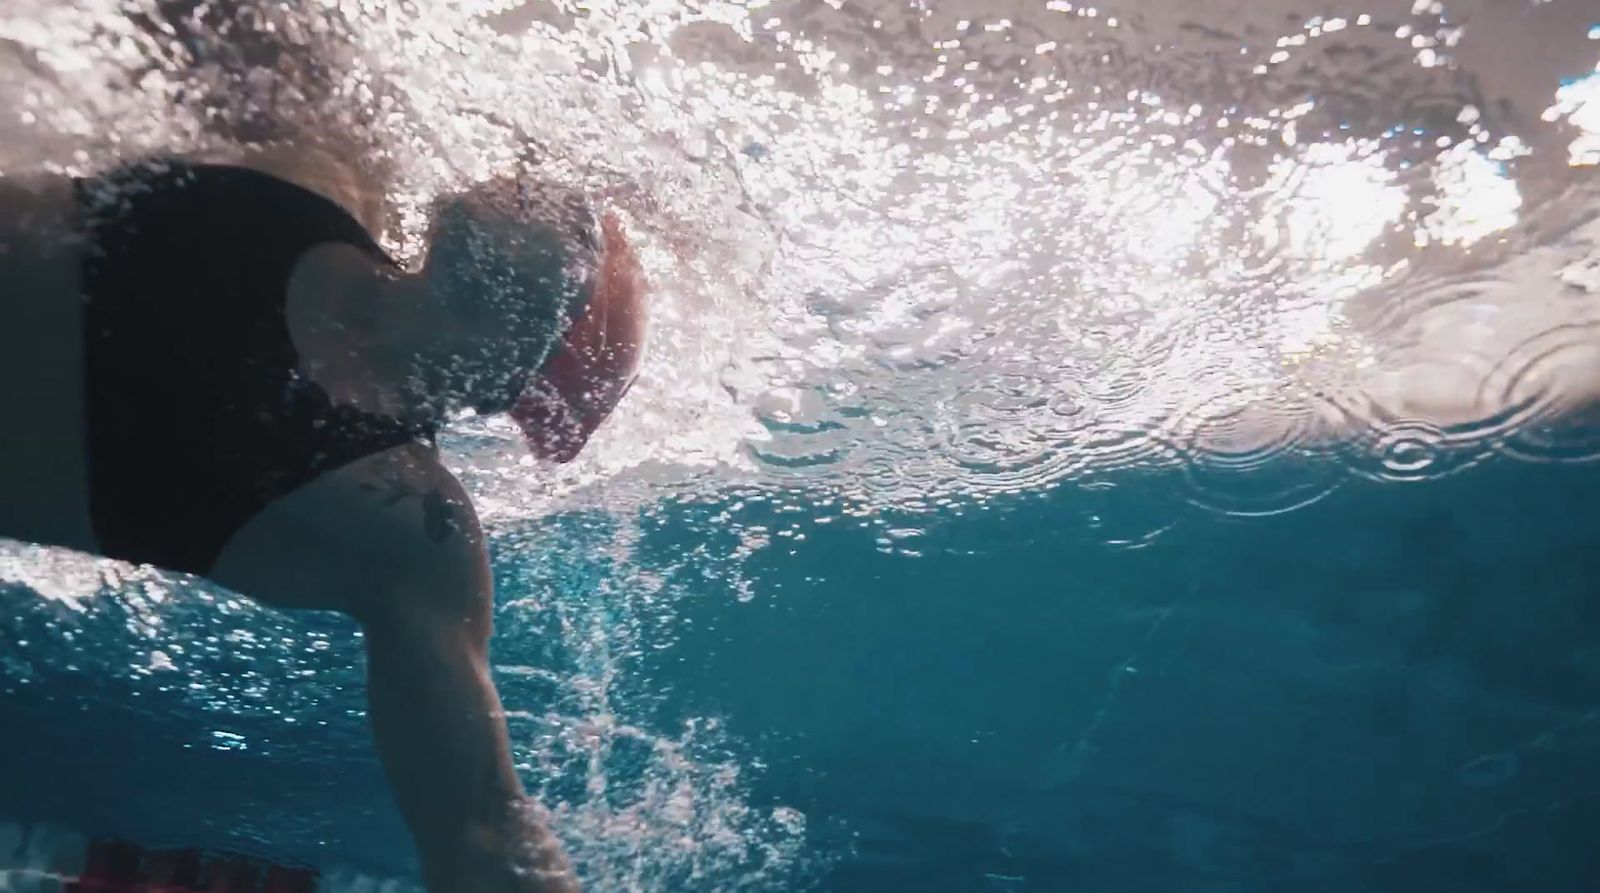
<point x="1395" y="689"/>
<point x="1138" y="446"/>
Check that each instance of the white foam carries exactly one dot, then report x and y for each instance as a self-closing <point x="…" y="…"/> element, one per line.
<point x="39" y="850"/>
<point x="24" y="880"/>
<point x="343" y="881"/>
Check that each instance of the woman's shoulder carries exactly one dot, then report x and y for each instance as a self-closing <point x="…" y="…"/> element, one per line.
<point x="399" y="514"/>
<point x="310" y="170"/>
<point x="359" y="191"/>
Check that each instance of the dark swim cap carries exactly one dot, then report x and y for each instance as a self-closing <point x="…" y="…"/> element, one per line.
<point x="589" y="373"/>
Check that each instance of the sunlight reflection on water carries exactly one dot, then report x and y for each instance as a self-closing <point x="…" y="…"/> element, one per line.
<point x="914" y="256"/>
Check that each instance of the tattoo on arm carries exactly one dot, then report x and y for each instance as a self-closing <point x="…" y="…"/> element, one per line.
<point x="438" y="517"/>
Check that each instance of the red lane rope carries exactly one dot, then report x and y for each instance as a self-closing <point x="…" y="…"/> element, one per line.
<point x="117" y="866"/>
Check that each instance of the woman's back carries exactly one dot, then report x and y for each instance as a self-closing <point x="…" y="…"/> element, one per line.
<point x="199" y="413"/>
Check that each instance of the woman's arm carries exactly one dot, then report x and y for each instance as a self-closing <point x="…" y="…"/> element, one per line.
<point x="393" y="541"/>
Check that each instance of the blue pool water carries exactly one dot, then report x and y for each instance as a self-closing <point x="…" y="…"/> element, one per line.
<point x="1395" y="689"/>
<point x="1122" y="447"/>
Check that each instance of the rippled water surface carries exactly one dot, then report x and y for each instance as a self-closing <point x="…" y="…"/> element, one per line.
<point x="972" y="283"/>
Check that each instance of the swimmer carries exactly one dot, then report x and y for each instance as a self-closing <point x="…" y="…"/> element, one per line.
<point x="212" y="370"/>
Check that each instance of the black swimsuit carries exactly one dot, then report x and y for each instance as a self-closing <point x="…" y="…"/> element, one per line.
<point x="197" y="414"/>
